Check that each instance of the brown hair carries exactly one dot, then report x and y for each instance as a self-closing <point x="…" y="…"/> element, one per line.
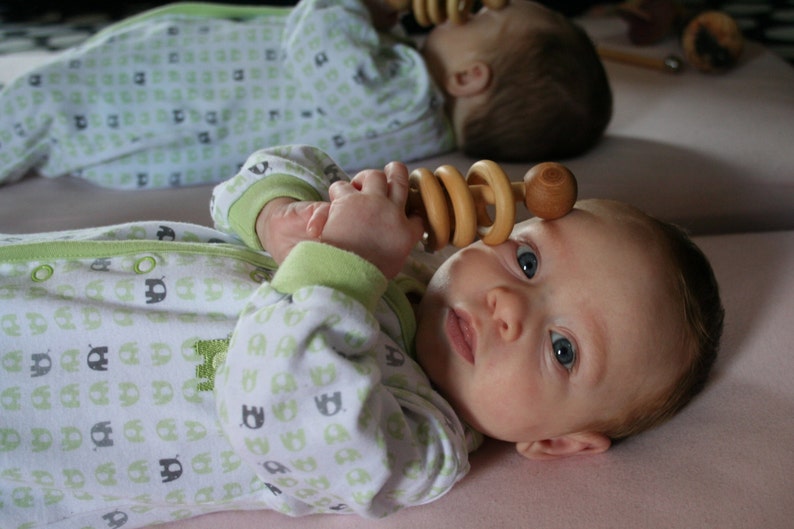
<point x="550" y="97"/>
<point x="703" y="314"/>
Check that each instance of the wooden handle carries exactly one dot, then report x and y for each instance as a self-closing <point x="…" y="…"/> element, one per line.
<point x="669" y="64"/>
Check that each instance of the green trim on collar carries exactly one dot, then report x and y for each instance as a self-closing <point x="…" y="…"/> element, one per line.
<point x="396" y="299"/>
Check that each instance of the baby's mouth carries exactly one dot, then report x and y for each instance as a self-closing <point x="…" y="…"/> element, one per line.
<point x="461" y="335"/>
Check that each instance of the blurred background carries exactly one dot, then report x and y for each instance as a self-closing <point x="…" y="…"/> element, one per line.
<point x="55" y="24"/>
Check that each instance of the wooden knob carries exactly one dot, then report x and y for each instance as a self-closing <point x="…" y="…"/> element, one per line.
<point x="550" y="190"/>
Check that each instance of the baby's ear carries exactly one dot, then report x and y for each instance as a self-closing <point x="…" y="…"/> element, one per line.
<point x="575" y="444"/>
<point x="469" y="80"/>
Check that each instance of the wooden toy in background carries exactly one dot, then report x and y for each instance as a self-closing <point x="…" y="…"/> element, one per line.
<point x="455" y="208"/>
<point x="649" y="21"/>
<point x="434" y="12"/>
<point x="711" y="40"/>
<point x="671" y="63"/>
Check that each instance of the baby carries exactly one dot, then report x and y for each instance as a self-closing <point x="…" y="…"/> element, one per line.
<point x="297" y="359"/>
<point x="181" y="95"/>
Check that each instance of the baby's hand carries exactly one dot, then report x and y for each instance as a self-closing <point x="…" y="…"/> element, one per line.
<point x="284" y="222"/>
<point x="367" y="216"/>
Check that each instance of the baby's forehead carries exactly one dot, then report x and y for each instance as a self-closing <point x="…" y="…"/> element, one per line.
<point x="619" y="219"/>
<point x="614" y="233"/>
<point x="595" y="212"/>
<point x="609" y="208"/>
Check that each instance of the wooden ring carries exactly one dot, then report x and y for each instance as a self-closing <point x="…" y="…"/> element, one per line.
<point x="436" y="12"/>
<point x="498" y="229"/>
<point x="420" y="13"/>
<point x="435" y="207"/>
<point x="458" y="10"/>
<point x="464" y="214"/>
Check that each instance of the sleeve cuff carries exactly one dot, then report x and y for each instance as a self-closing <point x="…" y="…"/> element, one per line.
<point x="244" y="212"/>
<point x="313" y="263"/>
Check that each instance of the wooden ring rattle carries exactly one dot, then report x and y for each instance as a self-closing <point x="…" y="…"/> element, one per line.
<point x="434" y="12"/>
<point x="455" y="209"/>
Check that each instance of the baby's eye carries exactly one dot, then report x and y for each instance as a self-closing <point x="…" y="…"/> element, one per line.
<point x="564" y="351"/>
<point x="527" y="260"/>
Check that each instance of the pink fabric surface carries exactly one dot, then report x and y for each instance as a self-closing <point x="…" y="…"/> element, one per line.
<point x="41" y="204"/>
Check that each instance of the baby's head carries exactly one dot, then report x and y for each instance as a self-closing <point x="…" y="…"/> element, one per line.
<point x="574" y="333"/>
<point x="523" y="83"/>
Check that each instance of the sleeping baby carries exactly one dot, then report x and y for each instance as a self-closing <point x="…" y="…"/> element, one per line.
<point x="181" y="95"/>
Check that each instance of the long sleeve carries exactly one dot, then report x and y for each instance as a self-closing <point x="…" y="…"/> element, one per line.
<point x="331" y="411"/>
<point x="180" y="95"/>
<point x="168" y="98"/>
<point x="369" y="95"/>
<point x="297" y="171"/>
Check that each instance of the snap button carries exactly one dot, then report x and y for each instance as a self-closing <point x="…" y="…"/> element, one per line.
<point x="144" y="265"/>
<point x="41" y="273"/>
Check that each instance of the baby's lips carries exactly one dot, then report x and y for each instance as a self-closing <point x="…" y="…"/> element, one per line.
<point x="461" y="335"/>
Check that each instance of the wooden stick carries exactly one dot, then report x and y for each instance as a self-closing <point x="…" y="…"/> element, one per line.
<point x="669" y="64"/>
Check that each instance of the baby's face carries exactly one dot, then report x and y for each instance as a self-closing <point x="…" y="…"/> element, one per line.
<point x="563" y="325"/>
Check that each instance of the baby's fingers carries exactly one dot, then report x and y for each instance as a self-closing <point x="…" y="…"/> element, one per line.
<point x="317" y="220"/>
<point x="340" y="188"/>
<point x="371" y="181"/>
<point x="397" y="179"/>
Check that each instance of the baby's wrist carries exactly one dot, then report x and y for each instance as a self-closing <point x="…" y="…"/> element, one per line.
<point x="266" y="214"/>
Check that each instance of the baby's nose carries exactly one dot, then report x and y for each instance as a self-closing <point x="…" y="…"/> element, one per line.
<point x="508" y="310"/>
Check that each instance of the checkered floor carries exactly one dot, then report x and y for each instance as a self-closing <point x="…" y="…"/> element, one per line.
<point x="770" y="22"/>
<point x="17" y="37"/>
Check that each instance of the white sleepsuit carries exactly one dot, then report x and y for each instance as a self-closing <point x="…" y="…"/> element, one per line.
<point x="181" y="95"/>
<point x="154" y="371"/>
